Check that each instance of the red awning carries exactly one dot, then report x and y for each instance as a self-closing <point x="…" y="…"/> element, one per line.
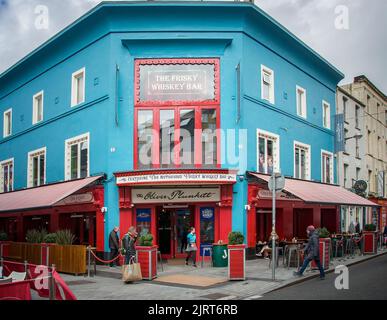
<point x="42" y="197"/>
<point x="314" y="192"/>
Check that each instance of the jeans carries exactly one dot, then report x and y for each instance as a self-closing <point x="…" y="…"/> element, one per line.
<point x="306" y="263"/>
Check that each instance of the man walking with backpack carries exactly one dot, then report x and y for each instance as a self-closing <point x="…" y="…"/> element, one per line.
<point x="312" y="252"/>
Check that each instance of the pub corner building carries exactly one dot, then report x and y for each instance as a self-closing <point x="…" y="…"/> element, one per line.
<point x="166" y="115"/>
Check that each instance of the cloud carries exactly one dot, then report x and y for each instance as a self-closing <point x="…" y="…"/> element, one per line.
<point x="359" y="50"/>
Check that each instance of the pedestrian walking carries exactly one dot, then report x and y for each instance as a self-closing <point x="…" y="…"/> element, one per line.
<point x="312" y="252"/>
<point x="114" y="246"/>
<point x="191" y="247"/>
<point x="129" y="244"/>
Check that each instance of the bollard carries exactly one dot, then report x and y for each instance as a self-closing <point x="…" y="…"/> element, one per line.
<point x="51" y="283"/>
<point x="88" y="262"/>
<point x="25" y="266"/>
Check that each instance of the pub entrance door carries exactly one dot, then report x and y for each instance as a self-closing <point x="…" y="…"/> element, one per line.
<point x="173" y="226"/>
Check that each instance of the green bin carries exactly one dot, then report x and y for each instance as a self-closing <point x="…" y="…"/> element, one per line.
<point x="220" y="255"/>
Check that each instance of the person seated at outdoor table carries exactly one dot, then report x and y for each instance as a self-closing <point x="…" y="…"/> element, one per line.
<point x="267" y="248"/>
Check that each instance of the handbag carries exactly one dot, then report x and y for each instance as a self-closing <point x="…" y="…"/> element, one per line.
<point x="131" y="272"/>
<point x="191" y="247"/>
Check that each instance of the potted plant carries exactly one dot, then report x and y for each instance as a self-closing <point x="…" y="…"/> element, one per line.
<point x="370" y="239"/>
<point x="147" y="256"/>
<point x="325" y="240"/>
<point x="236" y="256"/>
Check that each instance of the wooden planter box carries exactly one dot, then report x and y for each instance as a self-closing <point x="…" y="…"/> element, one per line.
<point x="67" y="259"/>
<point x="237" y="262"/>
<point x="370" y="242"/>
<point x="147" y="258"/>
<point x="325" y="256"/>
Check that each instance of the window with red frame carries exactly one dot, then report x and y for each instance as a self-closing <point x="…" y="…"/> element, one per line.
<point x="177" y="113"/>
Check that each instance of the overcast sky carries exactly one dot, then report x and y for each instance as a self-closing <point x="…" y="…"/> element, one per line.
<point x="357" y="46"/>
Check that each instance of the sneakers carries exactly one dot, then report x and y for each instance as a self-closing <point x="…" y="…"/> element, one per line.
<point x="194" y="265"/>
<point x="322" y="278"/>
<point x="297" y="274"/>
<point x="186" y="263"/>
<point x="266" y="258"/>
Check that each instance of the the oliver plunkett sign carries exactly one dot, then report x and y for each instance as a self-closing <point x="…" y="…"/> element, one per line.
<point x="180" y="178"/>
<point x="177" y="82"/>
<point x="175" y="195"/>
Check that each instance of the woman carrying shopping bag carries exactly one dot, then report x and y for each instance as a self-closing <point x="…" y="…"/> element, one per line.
<point x="191" y="247"/>
<point x="131" y="271"/>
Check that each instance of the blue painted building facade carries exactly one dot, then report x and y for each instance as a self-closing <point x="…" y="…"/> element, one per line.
<point x="108" y="40"/>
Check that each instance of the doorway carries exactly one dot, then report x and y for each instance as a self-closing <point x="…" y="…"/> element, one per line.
<point x="173" y="226"/>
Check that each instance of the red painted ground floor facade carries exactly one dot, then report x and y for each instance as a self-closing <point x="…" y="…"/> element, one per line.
<point x="80" y="213"/>
<point x="292" y="216"/>
<point x="173" y="203"/>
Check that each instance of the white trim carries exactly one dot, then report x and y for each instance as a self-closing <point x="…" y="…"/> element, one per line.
<point x="67" y="161"/>
<point x="303" y="102"/>
<point x="74" y="94"/>
<point x="34" y="107"/>
<point x="308" y="159"/>
<point x="328" y="119"/>
<point x="31" y="154"/>
<point x="276" y="138"/>
<point x="330" y="154"/>
<point x="10" y="123"/>
<point x="271" y="90"/>
<point x="3" y="163"/>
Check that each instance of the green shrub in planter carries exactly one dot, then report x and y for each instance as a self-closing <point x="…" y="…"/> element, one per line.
<point x="3" y="236"/>
<point x="323" y="232"/>
<point x="50" y="238"/>
<point x="146" y="240"/>
<point x="235" y="237"/>
<point x="370" y="227"/>
<point x="64" y="237"/>
<point x="36" y="236"/>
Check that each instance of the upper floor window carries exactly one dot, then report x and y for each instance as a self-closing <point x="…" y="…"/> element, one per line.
<point x="301" y="101"/>
<point x="267" y="84"/>
<point x="7" y="123"/>
<point x="357" y="116"/>
<point x="78" y="87"/>
<point x="326" y="115"/>
<point x="268" y="152"/>
<point x="77" y="157"/>
<point x="182" y="136"/>
<point x="301" y="161"/>
<point x="327" y="166"/>
<point x="6" y="175"/>
<point x="37" y="168"/>
<point x="345" y="174"/>
<point x="345" y="108"/>
<point x="37" y="107"/>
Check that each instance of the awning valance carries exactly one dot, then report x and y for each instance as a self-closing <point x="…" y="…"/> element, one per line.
<point x="315" y="192"/>
<point x="42" y="197"/>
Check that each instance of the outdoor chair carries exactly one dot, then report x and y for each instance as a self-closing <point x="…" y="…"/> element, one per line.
<point x="278" y="251"/>
<point x="293" y="249"/>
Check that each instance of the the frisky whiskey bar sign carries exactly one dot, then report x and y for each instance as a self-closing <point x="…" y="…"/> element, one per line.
<point x="177" y="82"/>
<point x="175" y="195"/>
<point x="178" y="178"/>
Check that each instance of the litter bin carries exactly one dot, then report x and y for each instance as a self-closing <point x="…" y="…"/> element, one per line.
<point x="219" y="255"/>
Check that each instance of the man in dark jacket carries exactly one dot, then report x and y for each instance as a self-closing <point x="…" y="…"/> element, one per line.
<point x="114" y="245"/>
<point x="312" y="252"/>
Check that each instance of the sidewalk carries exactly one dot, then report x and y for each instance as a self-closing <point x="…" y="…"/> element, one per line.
<point x="108" y="286"/>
